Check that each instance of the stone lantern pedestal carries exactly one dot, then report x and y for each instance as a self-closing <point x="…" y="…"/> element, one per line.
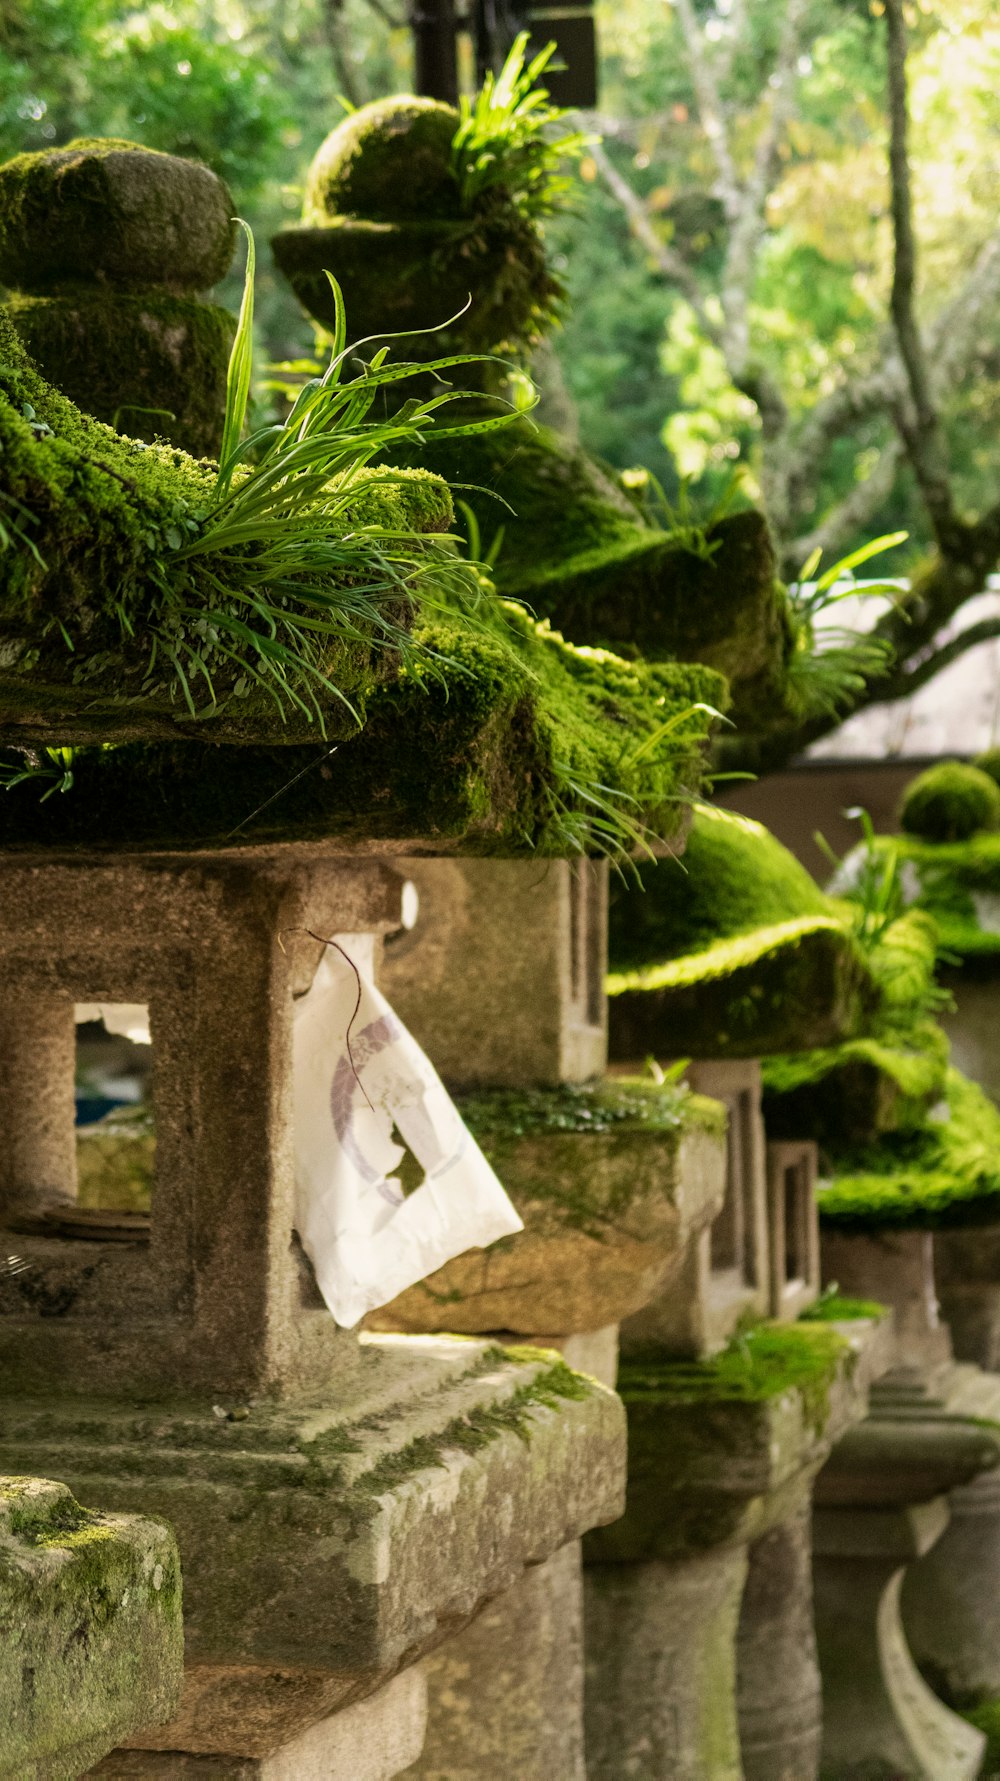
<point x="701" y="1659"/>
<point x="340" y="1506"/>
<point x="939" y="1568"/>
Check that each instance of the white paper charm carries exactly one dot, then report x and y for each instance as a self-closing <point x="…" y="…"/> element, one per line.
<point x="366" y="1239"/>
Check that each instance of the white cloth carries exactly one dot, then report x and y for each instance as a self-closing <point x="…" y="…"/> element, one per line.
<point x="366" y="1239"/>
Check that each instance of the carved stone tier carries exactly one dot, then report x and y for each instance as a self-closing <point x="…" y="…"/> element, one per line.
<point x="326" y="1544"/>
<point x="718" y="1486"/>
<point x="881" y="1503"/>
<point x="609" y="1216"/>
<point x="91" y="1645"/>
<point x="215" y="1295"/>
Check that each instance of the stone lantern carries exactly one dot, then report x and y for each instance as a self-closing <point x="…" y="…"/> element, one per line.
<point x="342" y="1505"/>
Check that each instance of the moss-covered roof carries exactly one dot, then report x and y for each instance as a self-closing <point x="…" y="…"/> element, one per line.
<point x="577" y="549"/>
<point x="957" y="882"/>
<point x="947" y="1173"/>
<point x="502" y="750"/>
<point x="95" y="606"/>
<point x="495" y="733"/>
<point x="734" y="951"/>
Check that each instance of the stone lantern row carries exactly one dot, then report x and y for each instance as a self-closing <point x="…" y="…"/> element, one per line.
<point x="443" y="1546"/>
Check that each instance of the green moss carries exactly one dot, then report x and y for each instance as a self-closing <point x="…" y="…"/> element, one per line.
<point x="854" y="1091"/>
<point x="801" y="982"/>
<point x="386" y="162"/>
<point x="943" y="1175"/>
<point x="612" y="1104"/>
<point x="956" y="883"/>
<point x="79" y="613"/>
<point x="950" y="802"/>
<point x="761" y="1365"/>
<point x="735" y="879"/>
<point x="482" y="1426"/>
<point x="578" y="550"/>
<point x="101" y="209"/>
<point x="152" y="367"/>
<point x="384" y="212"/>
<point x="500" y="751"/>
<point x="831" y="1308"/>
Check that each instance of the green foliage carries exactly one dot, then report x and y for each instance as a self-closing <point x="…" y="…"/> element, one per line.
<point x="950" y="802"/>
<point x="764" y="1363"/>
<point x="830" y="665"/>
<point x="875" y="890"/>
<point x="735" y="879"/>
<point x="945" y="1174"/>
<point x="260" y="571"/>
<point x="506" y="142"/>
<point x="52" y="767"/>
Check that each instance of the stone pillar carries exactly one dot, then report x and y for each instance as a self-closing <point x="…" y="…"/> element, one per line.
<point x="967" y="1267"/>
<point x="778" y="1685"/>
<point x="37" y="1104"/>
<point x="91" y="1644"/>
<point x="661" y="1668"/>
<point x="881" y="1504"/>
<point x="951" y="1599"/>
<point x="879" y="1716"/>
<point x="506" y="1695"/>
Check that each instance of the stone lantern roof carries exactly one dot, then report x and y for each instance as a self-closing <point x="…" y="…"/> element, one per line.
<point x="387" y="198"/>
<point x="735" y="953"/>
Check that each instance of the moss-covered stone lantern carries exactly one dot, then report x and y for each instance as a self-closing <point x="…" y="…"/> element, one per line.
<point x="341" y="1504"/>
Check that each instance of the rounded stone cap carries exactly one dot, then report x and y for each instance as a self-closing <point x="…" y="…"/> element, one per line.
<point x="102" y="210"/>
<point x="387" y="162"/>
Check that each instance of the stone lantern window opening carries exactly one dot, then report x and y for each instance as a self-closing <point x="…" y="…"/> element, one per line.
<point x="587" y="943"/>
<point x="793" y="1227"/>
<point x="115" y="1120"/>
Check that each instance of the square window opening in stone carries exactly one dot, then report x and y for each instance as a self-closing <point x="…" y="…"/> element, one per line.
<point x="795" y="1192"/>
<point x="115" y="1123"/>
<point x="732" y="1246"/>
<point x="586" y="940"/>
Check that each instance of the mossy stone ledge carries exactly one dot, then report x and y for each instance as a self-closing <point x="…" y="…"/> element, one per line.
<point x="712" y="1443"/>
<point x="941" y="1176"/>
<point x="107" y="211"/>
<point x="91" y="1639"/>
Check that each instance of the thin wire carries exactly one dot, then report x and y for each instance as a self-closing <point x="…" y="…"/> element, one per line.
<point x="280" y="794"/>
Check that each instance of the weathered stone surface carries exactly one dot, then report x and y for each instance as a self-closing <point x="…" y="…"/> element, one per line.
<point x="879" y="1717"/>
<point x="777" y="1669"/>
<point x="151" y="366"/>
<point x="725" y="1274"/>
<point x="710" y="1466"/>
<point x="372" y="1740"/>
<point x="505" y="1697"/>
<point x="326" y="1543"/>
<point x="951" y="1598"/>
<point x="895" y="1268"/>
<point x="220" y="1297"/>
<point x="91" y="1645"/>
<point x="967" y="1272"/>
<point x="608" y="1217"/>
<point x="501" y="980"/>
<point x="660" y="1657"/>
<point x="102" y="210"/>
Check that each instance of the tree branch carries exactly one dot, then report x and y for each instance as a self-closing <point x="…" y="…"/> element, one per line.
<point x="921" y="432"/>
<point x="669" y="264"/>
<point x="711" y="109"/>
<point x="912" y="675"/>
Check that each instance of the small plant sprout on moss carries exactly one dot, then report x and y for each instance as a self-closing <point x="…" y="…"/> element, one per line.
<point x="289" y="512"/>
<point x="830" y="665"/>
<point x="507" y="141"/>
